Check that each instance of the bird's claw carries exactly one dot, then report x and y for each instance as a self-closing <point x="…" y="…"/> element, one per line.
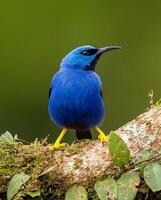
<point x="103" y="137"/>
<point x="57" y="145"/>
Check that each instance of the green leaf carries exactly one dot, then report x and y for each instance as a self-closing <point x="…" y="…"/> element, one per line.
<point x="106" y="189"/>
<point x="7" y="138"/>
<point x="152" y="176"/>
<point x="4" y="171"/>
<point x="15" y="184"/>
<point x="34" y="193"/>
<point x="76" y="193"/>
<point x="118" y="149"/>
<point x="127" y="185"/>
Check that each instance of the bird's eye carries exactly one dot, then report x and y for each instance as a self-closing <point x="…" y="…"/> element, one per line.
<point x="89" y="52"/>
<point x="85" y="53"/>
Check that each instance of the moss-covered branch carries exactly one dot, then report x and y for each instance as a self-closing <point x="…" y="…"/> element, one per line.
<point x="53" y="172"/>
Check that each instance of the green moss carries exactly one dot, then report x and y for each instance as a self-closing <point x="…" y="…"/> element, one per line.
<point x="77" y="162"/>
<point x="17" y="158"/>
<point x="77" y="147"/>
<point x="34" y="159"/>
<point x="41" y="165"/>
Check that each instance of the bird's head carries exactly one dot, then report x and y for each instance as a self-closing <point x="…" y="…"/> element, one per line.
<point x="84" y="57"/>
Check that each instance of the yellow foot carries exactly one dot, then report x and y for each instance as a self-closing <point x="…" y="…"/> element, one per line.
<point x="57" y="145"/>
<point x="101" y="135"/>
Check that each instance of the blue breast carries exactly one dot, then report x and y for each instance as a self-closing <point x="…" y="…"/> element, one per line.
<point x="75" y="101"/>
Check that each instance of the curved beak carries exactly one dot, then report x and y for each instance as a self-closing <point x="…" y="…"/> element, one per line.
<point x="104" y="49"/>
<point x="100" y="51"/>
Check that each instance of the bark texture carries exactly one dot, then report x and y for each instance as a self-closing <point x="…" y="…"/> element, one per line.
<point x="82" y="162"/>
<point x="79" y="163"/>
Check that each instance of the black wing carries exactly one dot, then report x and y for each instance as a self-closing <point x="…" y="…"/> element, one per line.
<point x="50" y="92"/>
<point x="101" y="94"/>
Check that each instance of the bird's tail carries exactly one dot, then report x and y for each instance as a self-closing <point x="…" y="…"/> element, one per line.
<point x="83" y="134"/>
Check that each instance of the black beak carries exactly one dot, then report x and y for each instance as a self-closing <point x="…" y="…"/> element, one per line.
<point x="99" y="52"/>
<point x="104" y="49"/>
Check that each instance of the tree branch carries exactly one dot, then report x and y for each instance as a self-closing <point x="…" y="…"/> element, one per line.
<point x="94" y="159"/>
<point x="79" y="163"/>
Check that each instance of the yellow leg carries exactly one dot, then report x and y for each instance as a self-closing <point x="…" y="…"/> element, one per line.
<point x="101" y="135"/>
<point x="57" y="143"/>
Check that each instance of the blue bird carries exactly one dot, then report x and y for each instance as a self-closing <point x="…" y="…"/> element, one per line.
<point x="75" y="95"/>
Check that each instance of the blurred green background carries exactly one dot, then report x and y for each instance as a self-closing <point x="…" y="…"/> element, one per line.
<point x="36" y="34"/>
